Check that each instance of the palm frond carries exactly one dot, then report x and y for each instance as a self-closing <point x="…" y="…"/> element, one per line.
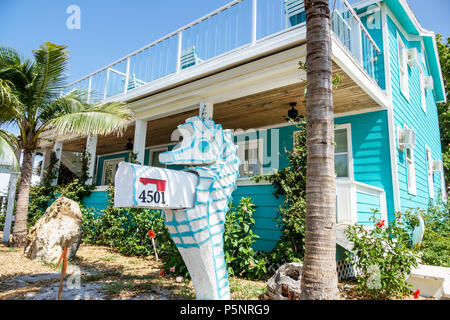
<point x="9" y="102"/>
<point x="51" y="64"/>
<point x="98" y="119"/>
<point x="8" y="149"/>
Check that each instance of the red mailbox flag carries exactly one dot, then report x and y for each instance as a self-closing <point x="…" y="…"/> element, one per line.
<point x="160" y="184"/>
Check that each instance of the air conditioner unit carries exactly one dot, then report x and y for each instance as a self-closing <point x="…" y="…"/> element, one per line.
<point x="429" y="83"/>
<point x="413" y="57"/>
<point x="436" y="166"/>
<point x="407" y="138"/>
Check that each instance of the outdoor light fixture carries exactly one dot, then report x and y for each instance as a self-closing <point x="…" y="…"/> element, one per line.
<point x="293" y="113"/>
<point x="129" y="145"/>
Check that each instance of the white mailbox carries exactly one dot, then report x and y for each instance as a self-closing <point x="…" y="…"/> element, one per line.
<point x="150" y="187"/>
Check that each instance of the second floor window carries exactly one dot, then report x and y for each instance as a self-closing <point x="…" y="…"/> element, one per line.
<point x="403" y="67"/>
<point x="410" y="170"/>
<point x="423" y="101"/>
<point x="430" y="173"/>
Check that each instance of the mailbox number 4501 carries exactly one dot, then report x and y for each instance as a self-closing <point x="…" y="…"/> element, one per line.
<point x="150" y="196"/>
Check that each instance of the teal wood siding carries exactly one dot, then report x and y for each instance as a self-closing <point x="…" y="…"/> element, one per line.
<point x="365" y="204"/>
<point x="96" y="201"/>
<point x="266" y="210"/>
<point x="425" y="124"/>
<point x="371" y="155"/>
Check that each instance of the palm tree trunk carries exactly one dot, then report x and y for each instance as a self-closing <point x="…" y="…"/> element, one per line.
<point x="20" y="223"/>
<point x="319" y="276"/>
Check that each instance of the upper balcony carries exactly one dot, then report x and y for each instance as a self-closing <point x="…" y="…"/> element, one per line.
<point x="241" y="31"/>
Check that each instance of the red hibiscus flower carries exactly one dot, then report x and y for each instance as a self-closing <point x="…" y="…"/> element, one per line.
<point x="151" y="233"/>
<point x="161" y="273"/>
<point x="380" y="223"/>
<point x="416" y="294"/>
<point x="251" y="264"/>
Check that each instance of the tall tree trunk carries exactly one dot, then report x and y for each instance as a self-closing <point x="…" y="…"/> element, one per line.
<point x="319" y="276"/>
<point x="20" y="223"/>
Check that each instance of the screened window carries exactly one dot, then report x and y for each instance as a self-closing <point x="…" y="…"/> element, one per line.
<point x="341" y="154"/>
<point x="403" y="66"/>
<point x="410" y="171"/>
<point x="250" y="155"/>
<point x="109" y="170"/>
<point x="422" y="91"/>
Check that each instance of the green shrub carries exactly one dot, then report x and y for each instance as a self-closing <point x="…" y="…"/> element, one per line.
<point x="238" y="240"/>
<point x="290" y="183"/>
<point x="435" y="246"/>
<point x="384" y="257"/>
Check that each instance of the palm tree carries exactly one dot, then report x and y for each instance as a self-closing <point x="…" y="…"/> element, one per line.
<point x="319" y="276"/>
<point x="30" y="100"/>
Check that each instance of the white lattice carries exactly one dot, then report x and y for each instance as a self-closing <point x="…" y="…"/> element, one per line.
<point x="347" y="270"/>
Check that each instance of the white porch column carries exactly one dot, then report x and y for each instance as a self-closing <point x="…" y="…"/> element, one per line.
<point x="206" y="110"/>
<point x="57" y="149"/>
<point x="45" y="162"/>
<point x="91" y="152"/>
<point x="10" y="206"/>
<point x="140" y="134"/>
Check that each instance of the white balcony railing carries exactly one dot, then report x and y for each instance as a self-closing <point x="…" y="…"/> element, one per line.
<point x="238" y="24"/>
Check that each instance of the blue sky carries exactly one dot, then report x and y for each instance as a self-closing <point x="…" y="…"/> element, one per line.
<point x="110" y="29"/>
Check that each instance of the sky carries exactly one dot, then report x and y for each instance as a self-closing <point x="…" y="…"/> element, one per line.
<point x="111" y="29"/>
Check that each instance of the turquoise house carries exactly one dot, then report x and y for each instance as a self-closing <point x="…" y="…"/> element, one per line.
<point x="239" y="66"/>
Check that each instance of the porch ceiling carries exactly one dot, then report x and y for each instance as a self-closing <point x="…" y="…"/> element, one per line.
<point x="271" y="107"/>
<point x="252" y="111"/>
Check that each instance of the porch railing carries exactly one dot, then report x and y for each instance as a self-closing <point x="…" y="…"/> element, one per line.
<point x="355" y="200"/>
<point x="238" y="24"/>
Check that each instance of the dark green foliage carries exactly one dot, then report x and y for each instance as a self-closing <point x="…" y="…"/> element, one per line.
<point x="435" y="245"/>
<point x="238" y="241"/>
<point x="384" y="257"/>
<point x="290" y="182"/>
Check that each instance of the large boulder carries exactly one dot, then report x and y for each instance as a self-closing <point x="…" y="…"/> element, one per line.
<point x="59" y="227"/>
<point x="285" y="284"/>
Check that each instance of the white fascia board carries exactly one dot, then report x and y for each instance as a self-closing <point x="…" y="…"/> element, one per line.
<point x="254" y="77"/>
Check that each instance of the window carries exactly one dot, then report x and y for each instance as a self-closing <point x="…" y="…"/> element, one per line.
<point x="422" y="90"/>
<point x="410" y="171"/>
<point x="342" y="152"/>
<point x="403" y="67"/>
<point x="250" y="154"/>
<point x="109" y="170"/>
<point x="430" y="173"/>
<point x="443" y="190"/>
<point x="154" y="157"/>
<point x="343" y="164"/>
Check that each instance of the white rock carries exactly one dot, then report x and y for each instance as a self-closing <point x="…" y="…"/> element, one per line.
<point x="59" y="226"/>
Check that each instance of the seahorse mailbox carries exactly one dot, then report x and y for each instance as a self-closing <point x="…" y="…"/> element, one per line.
<point x="150" y="187"/>
<point x="195" y="200"/>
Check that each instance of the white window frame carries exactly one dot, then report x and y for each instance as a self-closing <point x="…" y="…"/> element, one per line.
<point x="403" y="66"/>
<point x="430" y="175"/>
<point x="410" y="170"/>
<point x="349" y="153"/>
<point x="241" y="152"/>
<point x="423" y="100"/>
<point x="105" y="162"/>
<point x="150" y="156"/>
<point x="348" y="128"/>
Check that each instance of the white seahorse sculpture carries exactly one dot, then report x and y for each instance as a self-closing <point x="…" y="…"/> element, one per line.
<point x="198" y="231"/>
